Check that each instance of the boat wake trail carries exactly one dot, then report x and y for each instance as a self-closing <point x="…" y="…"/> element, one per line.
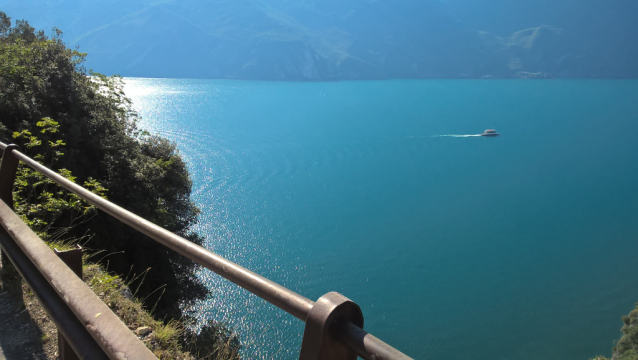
<point x="458" y="136"/>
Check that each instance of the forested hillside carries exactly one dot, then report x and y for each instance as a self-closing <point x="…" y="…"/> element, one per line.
<point x="81" y="124"/>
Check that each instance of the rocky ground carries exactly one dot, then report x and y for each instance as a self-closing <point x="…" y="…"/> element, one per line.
<point x="25" y="330"/>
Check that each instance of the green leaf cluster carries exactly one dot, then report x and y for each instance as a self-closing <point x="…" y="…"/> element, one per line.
<point x="49" y="210"/>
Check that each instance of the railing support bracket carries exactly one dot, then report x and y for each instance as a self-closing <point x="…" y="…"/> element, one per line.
<point x="317" y="343"/>
<point x="8" y="171"/>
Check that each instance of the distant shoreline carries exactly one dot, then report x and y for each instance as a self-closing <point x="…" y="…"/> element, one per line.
<point x="388" y="79"/>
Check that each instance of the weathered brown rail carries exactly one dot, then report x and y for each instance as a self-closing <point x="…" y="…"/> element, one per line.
<point x="333" y="323"/>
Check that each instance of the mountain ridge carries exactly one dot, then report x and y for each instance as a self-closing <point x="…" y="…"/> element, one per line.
<point x="347" y="40"/>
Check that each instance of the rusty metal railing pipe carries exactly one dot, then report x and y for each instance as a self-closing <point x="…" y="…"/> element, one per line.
<point x="285" y="299"/>
<point x="365" y="345"/>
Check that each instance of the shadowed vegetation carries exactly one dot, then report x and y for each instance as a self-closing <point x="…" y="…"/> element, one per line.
<point x="80" y="124"/>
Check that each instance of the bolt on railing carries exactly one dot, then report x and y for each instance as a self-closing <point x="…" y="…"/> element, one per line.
<point x="333" y="323"/>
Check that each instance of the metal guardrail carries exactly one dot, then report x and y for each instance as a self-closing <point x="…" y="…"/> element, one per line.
<point x="333" y="323"/>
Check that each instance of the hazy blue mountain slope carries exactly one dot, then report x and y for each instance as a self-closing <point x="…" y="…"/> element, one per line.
<point x="597" y="38"/>
<point x="232" y="39"/>
<point x="350" y="39"/>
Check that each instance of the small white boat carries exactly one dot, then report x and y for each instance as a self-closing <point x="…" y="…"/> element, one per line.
<point x="490" y="132"/>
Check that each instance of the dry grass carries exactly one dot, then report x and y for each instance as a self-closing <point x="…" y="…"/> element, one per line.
<point x="169" y="340"/>
<point x="164" y="340"/>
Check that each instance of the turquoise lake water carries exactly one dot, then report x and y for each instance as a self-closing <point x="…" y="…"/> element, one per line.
<point x="521" y="246"/>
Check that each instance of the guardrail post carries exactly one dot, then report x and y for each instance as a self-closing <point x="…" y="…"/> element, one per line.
<point x="317" y="343"/>
<point x="72" y="259"/>
<point x="8" y="169"/>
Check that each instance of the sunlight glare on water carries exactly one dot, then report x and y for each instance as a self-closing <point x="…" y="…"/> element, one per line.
<point x="455" y="246"/>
